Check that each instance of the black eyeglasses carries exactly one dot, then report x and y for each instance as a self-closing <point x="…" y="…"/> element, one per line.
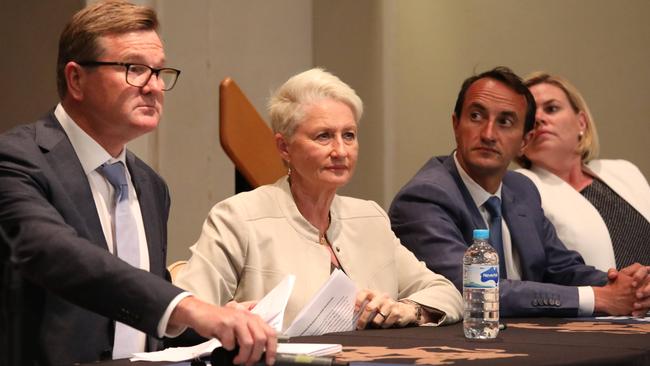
<point x="138" y="75"/>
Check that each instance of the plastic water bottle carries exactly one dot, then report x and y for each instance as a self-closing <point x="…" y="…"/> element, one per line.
<point x="481" y="288"/>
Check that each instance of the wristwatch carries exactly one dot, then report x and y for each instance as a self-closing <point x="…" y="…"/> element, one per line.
<point x="418" y="309"/>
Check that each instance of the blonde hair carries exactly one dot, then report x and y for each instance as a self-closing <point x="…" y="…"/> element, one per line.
<point x="78" y="41"/>
<point x="588" y="146"/>
<point x="287" y="104"/>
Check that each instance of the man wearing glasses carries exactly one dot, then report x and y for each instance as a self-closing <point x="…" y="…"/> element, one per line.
<point x="83" y="220"/>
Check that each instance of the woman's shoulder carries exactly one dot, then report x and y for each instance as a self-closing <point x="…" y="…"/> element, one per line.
<point x="261" y="201"/>
<point x="621" y="172"/>
<point x="538" y="177"/>
<point x="613" y="166"/>
<point x="350" y="207"/>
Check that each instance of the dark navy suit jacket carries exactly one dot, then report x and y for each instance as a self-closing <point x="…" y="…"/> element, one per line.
<point x="58" y="276"/>
<point x="434" y="216"/>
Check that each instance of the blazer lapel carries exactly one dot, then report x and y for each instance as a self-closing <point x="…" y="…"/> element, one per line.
<point x="477" y="219"/>
<point x="522" y="235"/>
<point x="60" y="155"/>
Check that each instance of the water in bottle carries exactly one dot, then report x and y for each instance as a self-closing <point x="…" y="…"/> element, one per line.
<point x="481" y="288"/>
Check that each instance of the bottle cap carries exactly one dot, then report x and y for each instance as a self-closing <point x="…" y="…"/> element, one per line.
<point x="481" y="234"/>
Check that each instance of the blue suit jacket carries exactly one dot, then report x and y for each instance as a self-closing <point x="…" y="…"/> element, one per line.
<point x="60" y="279"/>
<point x="434" y="216"/>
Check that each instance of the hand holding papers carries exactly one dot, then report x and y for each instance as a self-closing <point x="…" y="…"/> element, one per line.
<point x="330" y="310"/>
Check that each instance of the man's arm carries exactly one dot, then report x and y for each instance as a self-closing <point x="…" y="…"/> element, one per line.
<point x="48" y="252"/>
<point x="45" y="250"/>
<point x="431" y="221"/>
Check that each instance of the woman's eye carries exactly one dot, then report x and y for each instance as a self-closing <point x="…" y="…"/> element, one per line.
<point x="552" y="109"/>
<point x="322" y="136"/>
<point x="349" y="136"/>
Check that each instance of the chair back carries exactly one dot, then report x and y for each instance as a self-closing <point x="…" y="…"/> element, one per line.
<point x="246" y="138"/>
<point x="175" y="268"/>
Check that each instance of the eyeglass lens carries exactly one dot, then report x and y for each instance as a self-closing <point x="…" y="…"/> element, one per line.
<point x="138" y="75"/>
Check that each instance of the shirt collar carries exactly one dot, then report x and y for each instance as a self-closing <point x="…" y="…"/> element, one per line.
<point x="90" y="153"/>
<point x="479" y="195"/>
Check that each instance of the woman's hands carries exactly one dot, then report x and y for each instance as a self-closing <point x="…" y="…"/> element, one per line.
<point x="379" y="310"/>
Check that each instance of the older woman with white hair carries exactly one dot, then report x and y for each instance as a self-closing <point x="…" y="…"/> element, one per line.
<point x="300" y="226"/>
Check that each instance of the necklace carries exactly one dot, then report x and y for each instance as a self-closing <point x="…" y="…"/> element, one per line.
<point x="322" y="236"/>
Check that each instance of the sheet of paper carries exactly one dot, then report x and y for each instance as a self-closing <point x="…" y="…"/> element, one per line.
<point x="644" y="319"/>
<point x="271" y="307"/>
<point x="311" y="349"/>
<point x="175" y="354"/>
<point x="330" y="310"/>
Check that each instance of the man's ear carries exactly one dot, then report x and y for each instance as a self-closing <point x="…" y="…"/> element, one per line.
<point x="283" y="147"/>
<point x="455" y="121"/>
<point x="75" y="78"/>
<point x="528" y="137"/>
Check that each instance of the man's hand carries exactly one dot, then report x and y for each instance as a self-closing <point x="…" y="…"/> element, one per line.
<point x="246" y="305"/>
<point x="640" y="281"/>
<point x="231" y="325"/>
<point x="382" y="311"/>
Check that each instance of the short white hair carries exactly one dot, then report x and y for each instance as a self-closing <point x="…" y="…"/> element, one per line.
<point x="288" y="103"/>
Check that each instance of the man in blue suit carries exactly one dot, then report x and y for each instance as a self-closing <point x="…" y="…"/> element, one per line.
<point x="65" y="291"/>
<point x="435" y="213"/>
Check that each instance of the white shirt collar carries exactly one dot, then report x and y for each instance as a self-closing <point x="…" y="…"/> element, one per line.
<point x="479" y="195"/>
<point x="90" y="153"/>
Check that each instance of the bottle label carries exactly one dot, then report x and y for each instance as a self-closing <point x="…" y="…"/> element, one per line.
<point x="481" y="276"/>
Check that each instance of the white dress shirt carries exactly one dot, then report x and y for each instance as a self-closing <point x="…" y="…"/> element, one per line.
<point x="586" y="299"/>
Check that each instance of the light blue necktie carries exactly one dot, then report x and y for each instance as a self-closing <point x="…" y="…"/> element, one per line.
<point x="493" y="205"/>
<point x="126" y="247"/>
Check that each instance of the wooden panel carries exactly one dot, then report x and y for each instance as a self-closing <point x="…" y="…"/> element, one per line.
<point x="246" y="138"/>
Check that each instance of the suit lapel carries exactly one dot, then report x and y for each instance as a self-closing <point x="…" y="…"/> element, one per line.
<point x="60" y="155"/>
<point x="477" y="219"/>
<point x="522" y="233"/>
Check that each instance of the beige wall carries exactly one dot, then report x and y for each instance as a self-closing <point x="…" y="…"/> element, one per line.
<point x="348" y="42"/>
<point x="29" y="36"/>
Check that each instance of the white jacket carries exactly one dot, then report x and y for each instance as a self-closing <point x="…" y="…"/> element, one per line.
<point x="578" y="223"/>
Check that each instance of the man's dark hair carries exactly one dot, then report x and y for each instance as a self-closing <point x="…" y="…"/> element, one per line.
<point x="510" y="79"/>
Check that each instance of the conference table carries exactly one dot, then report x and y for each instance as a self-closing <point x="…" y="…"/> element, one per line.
<point x="534" y="341"/>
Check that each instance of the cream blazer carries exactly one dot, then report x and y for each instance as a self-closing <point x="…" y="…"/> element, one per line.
<point x="576" y="220"/>
<point x="251" y="241"/>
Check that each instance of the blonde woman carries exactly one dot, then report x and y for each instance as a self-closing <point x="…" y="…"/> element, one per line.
<point x="600" y="208"/>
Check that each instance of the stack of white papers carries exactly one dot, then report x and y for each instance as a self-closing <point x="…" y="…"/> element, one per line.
<point x="311" y="349"/>
<point x="176" y="354"/>
<point x="331" y="310"/>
